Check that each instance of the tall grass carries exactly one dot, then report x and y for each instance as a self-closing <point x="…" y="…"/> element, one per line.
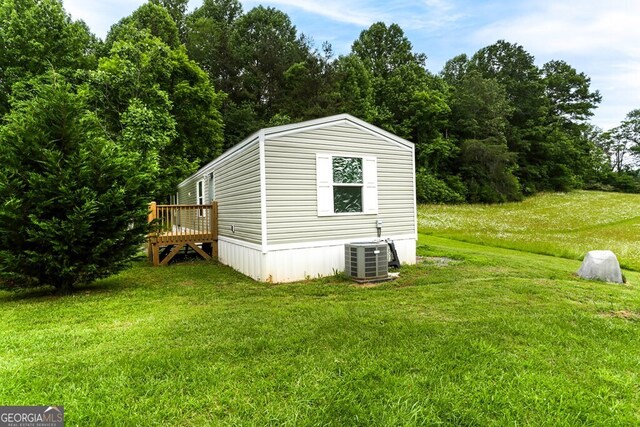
<point x="559" y="224"/>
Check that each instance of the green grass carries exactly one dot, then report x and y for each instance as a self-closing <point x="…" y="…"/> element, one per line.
<point x="497" y="337"/>
<point x="560" y="224"/>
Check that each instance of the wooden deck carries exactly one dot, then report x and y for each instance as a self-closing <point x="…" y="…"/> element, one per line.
<point x="177" y="226"/>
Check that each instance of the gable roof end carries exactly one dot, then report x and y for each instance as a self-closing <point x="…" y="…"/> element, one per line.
<point x="300" y="127"/>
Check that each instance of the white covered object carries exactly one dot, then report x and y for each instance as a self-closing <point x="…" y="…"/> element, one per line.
<point x="601" y="265"/>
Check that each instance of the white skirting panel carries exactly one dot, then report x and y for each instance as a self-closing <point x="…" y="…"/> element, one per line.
<point x="406" y="249"/>
<point x="246" y="260"/>
<point x="290" y="265"/>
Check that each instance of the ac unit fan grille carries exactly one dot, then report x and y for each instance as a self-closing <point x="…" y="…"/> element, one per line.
<point x="366" y="261"/>
<point x="353" y="272"/>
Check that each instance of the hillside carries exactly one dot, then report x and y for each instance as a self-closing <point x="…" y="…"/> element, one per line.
<point x="560" y="224"/>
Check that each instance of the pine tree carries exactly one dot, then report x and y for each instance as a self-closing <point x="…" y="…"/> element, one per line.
<point x="72" y="202"/>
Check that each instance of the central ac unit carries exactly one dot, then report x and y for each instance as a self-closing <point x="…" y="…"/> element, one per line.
<point x="366" y="262"/>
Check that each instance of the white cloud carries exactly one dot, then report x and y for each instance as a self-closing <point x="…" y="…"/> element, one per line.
<point x="351" y="13"/>
<point x="596" y="37"/>
<point x="100" y="15"/>
<point x="426" y="15"/>
<point x="575" y="27"/>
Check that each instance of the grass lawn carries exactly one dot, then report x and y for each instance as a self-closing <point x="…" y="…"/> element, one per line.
<point x="496" y="337"/>
<point x="560" y="224"/>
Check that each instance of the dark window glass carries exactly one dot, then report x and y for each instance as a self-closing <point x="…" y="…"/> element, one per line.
<point x="347" y="170"/>
<point x="347" y="199"/>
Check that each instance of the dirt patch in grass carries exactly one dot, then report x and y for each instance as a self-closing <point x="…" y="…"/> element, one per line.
<point x="392" y="276"/>
<point x="438" y="261"/>
<point x="368" y="284"/>
<point x="622" y="314"/>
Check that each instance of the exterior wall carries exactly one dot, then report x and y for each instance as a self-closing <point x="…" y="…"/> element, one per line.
<point x="290" y="265"/>
<point x="291" y="187"/>
<point x="187" y="193"/>
<point x="237" y="191"/>
<point x="236" y="179"/>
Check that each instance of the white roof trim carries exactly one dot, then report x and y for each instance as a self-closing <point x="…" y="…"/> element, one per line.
<point x="229" y="153"/>
<point x="331" y="120"/>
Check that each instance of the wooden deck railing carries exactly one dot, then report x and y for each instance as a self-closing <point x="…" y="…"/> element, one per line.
<point x="174" y="226"/>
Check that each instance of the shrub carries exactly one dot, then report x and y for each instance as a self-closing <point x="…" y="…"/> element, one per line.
<point x="72" y="202"/>
<point x="431" y="189"/>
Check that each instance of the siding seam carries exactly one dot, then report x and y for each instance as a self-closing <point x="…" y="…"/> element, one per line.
<point x="263" y="192"/>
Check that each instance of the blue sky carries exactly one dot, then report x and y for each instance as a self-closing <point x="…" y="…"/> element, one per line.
<point x="600" y="38"/>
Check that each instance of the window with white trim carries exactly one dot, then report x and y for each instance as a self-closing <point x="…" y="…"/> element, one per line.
<point x="212" y="187"/>
<point x="200" y="196"/>
<point x="346" y="184"/>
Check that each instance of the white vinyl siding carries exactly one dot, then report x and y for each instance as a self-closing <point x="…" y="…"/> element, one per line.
<point x="293" y="187"/>
<point x="238" y="195"/>
<point x="236" y="182"/>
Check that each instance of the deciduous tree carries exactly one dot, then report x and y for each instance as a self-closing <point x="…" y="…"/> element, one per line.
<point x="623" y="142"/>
<point x="144" y="82"/>
<point x="569" y="92"/>
<point x="178" y="11"/>
<point x="354" y="88"/>
<point x="151" y="17"/>
<point x="266" y="46"/>
<point x="37" y="35"/>
<point x="382" y="49"/>
<point x="209" y="29"/>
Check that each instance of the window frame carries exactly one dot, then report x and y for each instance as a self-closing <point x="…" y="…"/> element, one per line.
<point x="200" y="198"/>
<point x="325" y="185"/>
<point x="348" y="184"/>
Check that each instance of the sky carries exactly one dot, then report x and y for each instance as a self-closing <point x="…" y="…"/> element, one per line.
<point x="600" y="38"/>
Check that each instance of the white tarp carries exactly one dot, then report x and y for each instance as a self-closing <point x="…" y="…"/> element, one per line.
<point x="601" y="265"/>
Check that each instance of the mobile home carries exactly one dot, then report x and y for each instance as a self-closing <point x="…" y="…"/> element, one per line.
<point x="290" y="197"/>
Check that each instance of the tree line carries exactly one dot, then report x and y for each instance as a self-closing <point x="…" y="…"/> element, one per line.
<point x="92" y="129"/>
<point x="490" y="127"/>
